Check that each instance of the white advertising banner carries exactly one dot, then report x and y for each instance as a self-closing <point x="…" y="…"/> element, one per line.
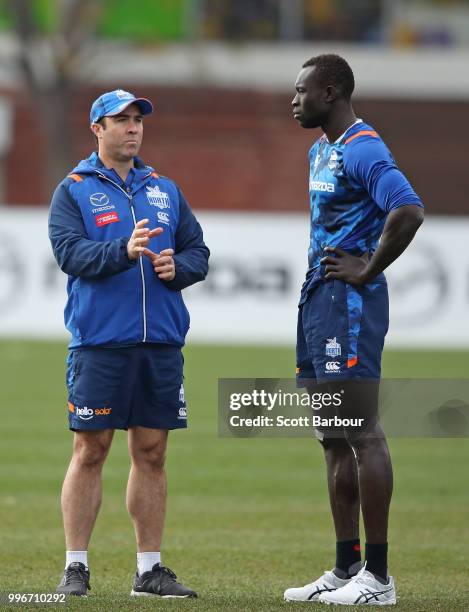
<point x="257" y="266"/>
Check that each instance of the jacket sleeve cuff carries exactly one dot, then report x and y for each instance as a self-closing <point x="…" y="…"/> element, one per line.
<point x="131" y="262"/>
<point x="179" y="281"/>
<point x="175" y="285"/>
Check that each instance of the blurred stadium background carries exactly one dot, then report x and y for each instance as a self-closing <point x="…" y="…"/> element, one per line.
<point x="246" y="517"/>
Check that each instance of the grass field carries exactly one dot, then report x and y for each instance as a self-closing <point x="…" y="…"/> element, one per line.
<point x="246" y="517"/>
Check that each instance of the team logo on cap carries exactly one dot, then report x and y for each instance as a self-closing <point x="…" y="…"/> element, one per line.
<point x="123" y="95"/>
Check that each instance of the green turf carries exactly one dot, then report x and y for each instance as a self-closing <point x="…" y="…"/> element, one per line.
<point x="246" y="517"/>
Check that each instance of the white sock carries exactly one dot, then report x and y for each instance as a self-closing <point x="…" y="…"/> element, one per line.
<point x="73" y="556"/>
<point x="146" y="561"/>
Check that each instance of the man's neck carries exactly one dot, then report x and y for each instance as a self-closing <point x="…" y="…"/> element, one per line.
<point x="121" y="167"/>
<point x="338" y="124"/>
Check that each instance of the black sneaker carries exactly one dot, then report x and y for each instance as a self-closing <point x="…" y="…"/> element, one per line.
<point x="75" y="581"/>
<point x="160" y="581"/>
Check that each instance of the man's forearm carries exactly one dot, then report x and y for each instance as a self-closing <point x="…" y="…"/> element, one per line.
<point x="399" y="230"/>
<point x="81" y="257"/>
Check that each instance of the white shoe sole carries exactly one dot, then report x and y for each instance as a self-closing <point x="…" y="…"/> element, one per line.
<point x="301" y="600"/>
<point x="142" y="594"/>
<point x="391" y="602"/>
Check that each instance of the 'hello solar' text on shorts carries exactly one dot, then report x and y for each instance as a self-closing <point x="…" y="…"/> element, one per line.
<point x="118" y="388"/>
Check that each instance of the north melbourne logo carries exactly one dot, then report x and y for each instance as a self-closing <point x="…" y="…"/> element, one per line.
<point x="157" y="198"/>
<point x="332" y="165"/>
<point x="123" y="95"/>
<point x="333" y="348"/>
<point x="182" y="413"/>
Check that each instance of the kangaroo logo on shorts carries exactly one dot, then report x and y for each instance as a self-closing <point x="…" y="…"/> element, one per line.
<point x="182" y="413"/>
<point x="333" y="348"/>
<point x="182" y="398"/>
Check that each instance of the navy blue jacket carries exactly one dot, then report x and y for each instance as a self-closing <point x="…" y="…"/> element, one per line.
<point x="113" y="301"/>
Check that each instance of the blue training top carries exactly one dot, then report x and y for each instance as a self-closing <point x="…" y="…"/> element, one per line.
<point x="113" y="301"/>
<point x="353" y="184"/>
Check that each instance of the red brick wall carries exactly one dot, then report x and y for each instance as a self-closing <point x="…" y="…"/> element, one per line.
<point x="242" y="149"/>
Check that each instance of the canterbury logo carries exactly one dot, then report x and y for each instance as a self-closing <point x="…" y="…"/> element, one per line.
<point x="333" y="366"/>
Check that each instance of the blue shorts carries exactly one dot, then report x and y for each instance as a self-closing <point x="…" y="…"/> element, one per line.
<point x="118" y="388"/>
<point x="341" y="330"/>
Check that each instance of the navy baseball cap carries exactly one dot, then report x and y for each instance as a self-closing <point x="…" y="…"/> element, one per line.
<point x="114" y="102"/>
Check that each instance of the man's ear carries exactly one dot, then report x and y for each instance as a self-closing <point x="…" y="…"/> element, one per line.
<point x="96" y="128"/>
<point x="331" y="94"/>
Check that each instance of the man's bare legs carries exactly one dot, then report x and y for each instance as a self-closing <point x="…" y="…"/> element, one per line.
<point x="359" y="473"/>
<point x="146" y="488"/>
<point x="81" y="491"/>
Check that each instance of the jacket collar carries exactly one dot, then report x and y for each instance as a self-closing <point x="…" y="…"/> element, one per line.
<point x="93" y="165"/>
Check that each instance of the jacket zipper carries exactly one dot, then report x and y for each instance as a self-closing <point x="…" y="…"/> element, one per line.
<point x="142" y="274"/>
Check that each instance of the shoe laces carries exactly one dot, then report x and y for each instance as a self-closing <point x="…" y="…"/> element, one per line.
<point x="168" y="571"/>
<point x="358" y="578"/>
<point x="75" y="572"/>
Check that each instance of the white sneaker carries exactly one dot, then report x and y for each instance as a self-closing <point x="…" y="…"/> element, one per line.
<point x="362" y="589"/>
<point x="310" y="592"/>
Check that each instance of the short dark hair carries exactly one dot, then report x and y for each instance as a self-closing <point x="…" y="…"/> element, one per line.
<point x="333" y="70"/>
<point x="103" y="123"/>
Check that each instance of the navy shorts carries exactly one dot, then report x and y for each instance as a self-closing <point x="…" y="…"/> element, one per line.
<point x="341" y="331"/>
<point x="118" y="388"/>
